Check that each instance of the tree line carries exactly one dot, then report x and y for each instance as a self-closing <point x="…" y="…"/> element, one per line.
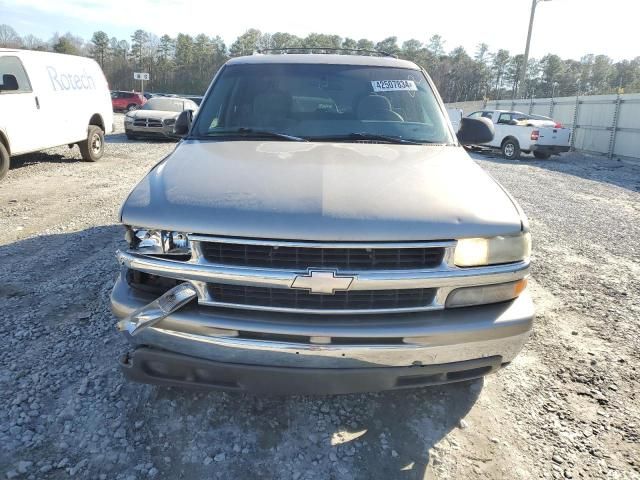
<point x="185" y="64"/>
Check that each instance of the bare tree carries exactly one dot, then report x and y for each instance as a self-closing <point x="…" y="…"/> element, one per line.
<point x="9" y="37"/>
<point x="31" y="42"/>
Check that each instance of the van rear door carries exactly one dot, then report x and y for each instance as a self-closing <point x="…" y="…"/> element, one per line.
<point x="20" y="115"/>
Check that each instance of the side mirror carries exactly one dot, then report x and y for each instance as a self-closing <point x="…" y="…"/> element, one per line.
<point x="475" y="131"/>
<point x="9" y="83"/>
<point x="183" y="123"/>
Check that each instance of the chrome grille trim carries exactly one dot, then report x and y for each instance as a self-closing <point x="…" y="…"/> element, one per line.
<point x="147" y="122"/>
<point x="444" y="278"/>
<point x="313" y="244"/>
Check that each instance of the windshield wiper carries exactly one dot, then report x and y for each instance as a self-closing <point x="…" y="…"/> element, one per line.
<point x="371" y="136"/>
<point x="248" y="132"/>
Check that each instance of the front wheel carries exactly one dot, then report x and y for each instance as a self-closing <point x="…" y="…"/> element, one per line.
<point x="542" y="155"/>
<point x="92" y="149"/>
<point x="4" y="161"/>
<point x="511" y="149"/>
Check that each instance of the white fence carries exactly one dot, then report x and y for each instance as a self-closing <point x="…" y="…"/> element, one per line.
<point x="602" y="124"/>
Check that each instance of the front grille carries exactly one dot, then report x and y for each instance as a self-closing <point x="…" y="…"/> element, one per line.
<point x="150" y="283"/>
<point x="301" y="258"/>
<point x="301" y="299"/>
<point x="147" y="122"/>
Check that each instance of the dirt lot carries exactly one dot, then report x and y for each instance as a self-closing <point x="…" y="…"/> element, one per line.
<point x="568" y="407"/>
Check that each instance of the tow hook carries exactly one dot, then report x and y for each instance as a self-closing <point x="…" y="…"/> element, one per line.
<point x="155" y="311"/>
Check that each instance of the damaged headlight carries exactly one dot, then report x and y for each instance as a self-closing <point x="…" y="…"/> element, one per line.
<point x="158" y="242"/>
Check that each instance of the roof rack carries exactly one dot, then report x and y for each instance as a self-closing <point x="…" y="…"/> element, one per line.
<point x="325" y="49"/>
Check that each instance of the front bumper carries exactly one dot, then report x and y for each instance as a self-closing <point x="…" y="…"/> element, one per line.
<point x="164" y="131"/>
<point x="160" y="367"/>
<point x="184" y="343"/>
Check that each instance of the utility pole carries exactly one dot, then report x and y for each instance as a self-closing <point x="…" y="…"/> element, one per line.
<point x="525" y="60"/>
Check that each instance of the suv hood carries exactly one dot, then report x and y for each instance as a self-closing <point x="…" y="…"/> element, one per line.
<point x="321" y="192"/>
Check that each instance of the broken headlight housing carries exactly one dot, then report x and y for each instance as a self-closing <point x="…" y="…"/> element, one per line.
<point x="158" y="242"/>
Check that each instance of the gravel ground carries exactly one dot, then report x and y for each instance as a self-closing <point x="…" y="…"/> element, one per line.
<point x="568" y="407"/>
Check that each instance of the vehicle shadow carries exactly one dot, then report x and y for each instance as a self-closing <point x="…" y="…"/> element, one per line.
<point x="624" y="174"/>
<point x="54" y="299"/>
<point x="122" y="138"/>
<point x="20" y="161"/>
<point x="388" y="435"/>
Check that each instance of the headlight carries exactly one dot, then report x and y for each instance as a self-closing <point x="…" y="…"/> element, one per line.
<point x="485" y="294"/>
<point x="128" y="119"/>
<point x="475" y="252"/>
<point x="158" y="242"/>
<point x="169" y="121"/>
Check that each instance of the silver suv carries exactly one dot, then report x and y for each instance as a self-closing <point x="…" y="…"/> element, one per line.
<point x="320" y="229"/>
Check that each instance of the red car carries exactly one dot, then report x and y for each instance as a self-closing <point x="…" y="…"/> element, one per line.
<point x="126" y="101"/>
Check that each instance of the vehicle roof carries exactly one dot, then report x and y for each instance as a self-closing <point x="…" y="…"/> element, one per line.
<point x="170" y="98"/>
<point x="42" y="53"/>
<point x="325" y="59"/>
<point x="502" y="111"/>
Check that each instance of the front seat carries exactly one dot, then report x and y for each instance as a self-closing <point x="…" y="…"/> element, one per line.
<point x="272" y="109"/>
<point x="377" y="107"/>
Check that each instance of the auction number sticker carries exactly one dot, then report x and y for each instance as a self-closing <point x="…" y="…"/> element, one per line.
<point x="393" y="85"/>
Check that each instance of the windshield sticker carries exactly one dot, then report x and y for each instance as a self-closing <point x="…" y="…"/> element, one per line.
<point x="393" y="85"/>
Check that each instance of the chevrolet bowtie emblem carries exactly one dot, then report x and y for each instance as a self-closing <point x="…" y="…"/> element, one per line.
<point x="322" y="281"/>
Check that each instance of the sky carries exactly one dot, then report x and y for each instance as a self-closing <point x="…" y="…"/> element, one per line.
<point x="569" y="28"/>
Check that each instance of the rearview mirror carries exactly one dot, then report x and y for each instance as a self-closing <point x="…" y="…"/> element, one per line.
<point x="183" y="123"/>
<point x="474" y="131"/>
<point x="9" y="83"/>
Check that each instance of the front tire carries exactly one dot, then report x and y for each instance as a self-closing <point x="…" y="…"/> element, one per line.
<point x="511" y="149"/>
<point x="4" y="161"/>
<point x="542" y="155"/>
<point x="92" y="149"/>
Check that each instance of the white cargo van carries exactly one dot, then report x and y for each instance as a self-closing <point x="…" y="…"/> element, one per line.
<point x="49" y="99"/>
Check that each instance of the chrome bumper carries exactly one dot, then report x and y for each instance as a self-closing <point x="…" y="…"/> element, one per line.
<point x="165" y="131"/>
<point x="311" y="341"/>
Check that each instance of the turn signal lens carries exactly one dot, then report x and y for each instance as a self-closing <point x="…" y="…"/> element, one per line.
<point x="486" y="294"/>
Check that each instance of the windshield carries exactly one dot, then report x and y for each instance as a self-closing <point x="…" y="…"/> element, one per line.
<point x="166" y="104"/>
<point x="322" y="102"/>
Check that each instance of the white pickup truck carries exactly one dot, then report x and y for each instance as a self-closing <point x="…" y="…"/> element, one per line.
<point x="518" y="132"/>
